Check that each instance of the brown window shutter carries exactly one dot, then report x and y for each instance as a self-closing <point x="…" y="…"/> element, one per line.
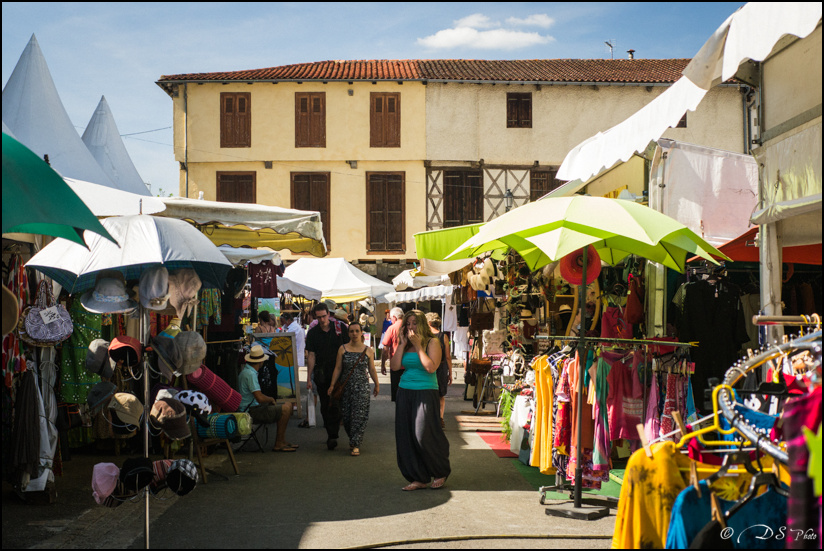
<point x="385" y="120"/>
<point x="463" y="198"/>
<point x="376" y="120"/>
<point x="310" y="119"/>
<point x="386" y="206"/>
<point x="519" y="110"/>
<point x="235" y="119"/>
<point x="310" y="191"/>
<point x="237" y="187"/>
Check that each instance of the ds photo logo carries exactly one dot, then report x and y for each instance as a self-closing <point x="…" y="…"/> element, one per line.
<point x="764" y="532"/>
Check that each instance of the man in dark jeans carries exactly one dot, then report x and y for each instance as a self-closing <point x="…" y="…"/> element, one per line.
<point x="322" y="344"/>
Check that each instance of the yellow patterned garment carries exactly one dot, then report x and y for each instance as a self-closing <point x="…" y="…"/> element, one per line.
<point x="647" y="495"/>
<point x="543" y="377"/>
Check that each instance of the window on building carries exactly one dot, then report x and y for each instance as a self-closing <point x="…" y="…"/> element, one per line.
<point x="683" y="122"/>
<point x="237" y="187"/>
<point x="463" y="197"/>
<point x="385" y="120"/>
<point x="310" y="191"/>
<point x="235" y="119"/>
<point x="542" y="182"/>
<point x="310" y="119"/>
<point x="519" y="110"/>
<point x="385" y="207"/>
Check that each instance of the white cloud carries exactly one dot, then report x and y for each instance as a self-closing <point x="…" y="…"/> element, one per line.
<point x="475" y="21"/>
<point x="465" y="33"/>
<point x="535" y="20"/>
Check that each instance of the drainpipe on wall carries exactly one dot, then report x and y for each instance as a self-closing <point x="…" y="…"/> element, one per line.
<point x="186" y="134"/>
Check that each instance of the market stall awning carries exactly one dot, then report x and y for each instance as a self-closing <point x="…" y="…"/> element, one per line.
<point x="109" y="201"/>
<point x="253" y="225"/>
<point x="239" y="255"/>
<point x="337" y="279"/>
<point x="435" y="245"/>
<point x="750" y="33"/>
<point x="286" y="285"/>
<point x="421" y="295"/>
<point x="415" y="279"/>
<point x="744" y="248"/>
<point x="624" y="175"/>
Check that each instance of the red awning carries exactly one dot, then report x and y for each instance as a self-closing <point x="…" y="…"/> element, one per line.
<point x="744" y="249"/>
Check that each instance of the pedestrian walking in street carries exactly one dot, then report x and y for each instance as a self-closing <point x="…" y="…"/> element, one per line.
<point x="422" y="447"/>
<point x="262" y="408"/>
<point x="390" y="345"/>
<point x="445" y="369"/>
<point x="353" y="362"/>
<point x="322" y="344"/>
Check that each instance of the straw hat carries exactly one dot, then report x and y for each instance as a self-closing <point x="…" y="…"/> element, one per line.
<point x="341" y="315"/>
<point x="256" y="354"/>
<point x="109" y="296"/>
<point x="527" y="317"/>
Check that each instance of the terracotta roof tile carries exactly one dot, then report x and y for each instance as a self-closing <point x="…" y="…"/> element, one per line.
<point x="526" y="70"/>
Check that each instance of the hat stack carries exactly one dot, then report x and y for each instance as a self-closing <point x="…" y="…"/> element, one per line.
<point x="104" y="481"/>
<point x="136" y="473"/>
<point x="127" y="350"/>
<point x="195" y="399"/>
<point x="183" y="287"/>
<point x="99" y="396"/>
<point x="97" y="359"/>
<point x="170" y="415"/>
<point x="182" y="477"/>
<point x="154" y="288"/>
<point x="128" y="410"/>
<point x="109" y="296"/>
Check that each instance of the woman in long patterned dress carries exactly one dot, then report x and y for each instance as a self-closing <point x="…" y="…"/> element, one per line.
<point x="357" y="358"/>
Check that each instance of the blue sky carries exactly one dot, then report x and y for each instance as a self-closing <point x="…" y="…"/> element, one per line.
<point x="120" y="49"/>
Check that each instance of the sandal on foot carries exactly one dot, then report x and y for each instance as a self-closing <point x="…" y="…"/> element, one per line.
<point x="414" y="486"/>
<point x="285" y="448"/>
<point x="288" y="445"/>
<point x="355" y="452"/>
<point x="438" y="483"/>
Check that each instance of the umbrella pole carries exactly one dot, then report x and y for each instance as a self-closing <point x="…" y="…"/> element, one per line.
<point x="144" y="340"/>
<point x="577" y="510"/>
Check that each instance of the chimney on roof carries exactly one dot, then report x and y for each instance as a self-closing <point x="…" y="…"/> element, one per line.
<point x="631" y="54"/>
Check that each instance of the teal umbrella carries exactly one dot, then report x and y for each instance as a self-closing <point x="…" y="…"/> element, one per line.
<point x="37" y="200"/>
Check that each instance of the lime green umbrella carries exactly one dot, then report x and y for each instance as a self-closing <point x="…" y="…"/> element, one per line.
<point x="547" y="230"/>
<point x="37" y="200"/>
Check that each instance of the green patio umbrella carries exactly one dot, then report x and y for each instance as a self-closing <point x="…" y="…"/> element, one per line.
<point x="37" y="200"/>
<point x="547" y="230"/>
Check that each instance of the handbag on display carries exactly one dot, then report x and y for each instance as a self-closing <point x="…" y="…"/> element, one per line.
<point x="46" y="323"/>
<point x="634" y="311"/>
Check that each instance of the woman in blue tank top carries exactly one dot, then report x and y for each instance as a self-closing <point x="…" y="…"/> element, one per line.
<point x="422" y="447"/>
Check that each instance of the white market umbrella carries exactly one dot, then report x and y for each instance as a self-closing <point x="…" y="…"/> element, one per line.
<point x="337" y="279"/>
<point x="145" y="241"/>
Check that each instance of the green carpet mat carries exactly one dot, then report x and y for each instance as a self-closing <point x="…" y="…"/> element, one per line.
<point x="535" y="478"/>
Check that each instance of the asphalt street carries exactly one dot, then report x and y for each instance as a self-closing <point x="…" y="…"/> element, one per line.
<point x="316" y="498"/>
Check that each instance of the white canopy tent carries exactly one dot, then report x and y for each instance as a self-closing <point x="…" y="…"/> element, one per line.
<point x="415" y="279"/>
<point x="33" y="111"/>
<point x="338" y="280"/>
<point x="249" y="224"/>
<point x="106" y="146"/>
<point x="438" y="292"/>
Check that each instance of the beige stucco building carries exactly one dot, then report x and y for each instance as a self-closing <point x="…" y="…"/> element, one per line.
<point x="386" y="149"/>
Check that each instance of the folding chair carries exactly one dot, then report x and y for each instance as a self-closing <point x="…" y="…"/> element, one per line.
<point x="254" y="435"/>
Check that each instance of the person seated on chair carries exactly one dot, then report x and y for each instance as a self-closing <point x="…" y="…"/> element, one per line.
<point x="263" y="409"/>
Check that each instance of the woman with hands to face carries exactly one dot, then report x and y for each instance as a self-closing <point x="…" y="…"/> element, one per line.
<point x="422" y="447"/>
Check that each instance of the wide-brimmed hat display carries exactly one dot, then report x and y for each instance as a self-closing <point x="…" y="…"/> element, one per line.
<point x="256" y="354"/>
<point x="104" y="481"/>
<point x="97" y="359"/>
<point x="10" y="311"/>
<point x="572" y="266"/>
<point x="127" y="407"/>
<point x="154" y="288"/>
<point x="195" y="399"/>
<point x="109" y="296"/>
<point x="100" y="394"/>
<point x="136" y="473"/>
<point x="192" y="349"/>
<point x="168" y="355"/>
<point x="527" y="317"/>
<point x="341" y="315"/>
<point x="127" y="350"/>
<point x="183" y="287"/>
<point x="182" y="477"/>
<point x="169" y="415"/>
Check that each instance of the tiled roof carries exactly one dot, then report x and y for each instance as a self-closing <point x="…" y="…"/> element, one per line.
<point x="527" y="70"/>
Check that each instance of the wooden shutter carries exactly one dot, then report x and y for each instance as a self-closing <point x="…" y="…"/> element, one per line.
<point x="310" y="191"/>
<point x="385" y="120"/>
<point x="519" y="110"/>
<point x="235" y="119"/>
<point x="237" y="187"/>
<point x="463" y="198"/>
<point x="542" y="182"/>
<point x="385" y="206"/>
<point x="310" y="119"/>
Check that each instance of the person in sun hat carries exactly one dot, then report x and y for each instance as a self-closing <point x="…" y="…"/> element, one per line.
<point x="263" y="409"/>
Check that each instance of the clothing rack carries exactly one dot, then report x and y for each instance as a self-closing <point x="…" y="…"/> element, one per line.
<point x="811" y="342"/>
<point x="617" y="341"/>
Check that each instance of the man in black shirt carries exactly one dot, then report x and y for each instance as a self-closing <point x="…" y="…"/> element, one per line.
<point x="322" y="343"/>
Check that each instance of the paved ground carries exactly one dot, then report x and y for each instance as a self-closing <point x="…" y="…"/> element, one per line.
<point x="315" y="498"/>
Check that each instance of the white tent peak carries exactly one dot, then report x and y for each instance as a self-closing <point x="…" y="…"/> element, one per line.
<point x="337" y="279"/>
<point x="103" y="140"/>
<point x="32" y="110"/>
